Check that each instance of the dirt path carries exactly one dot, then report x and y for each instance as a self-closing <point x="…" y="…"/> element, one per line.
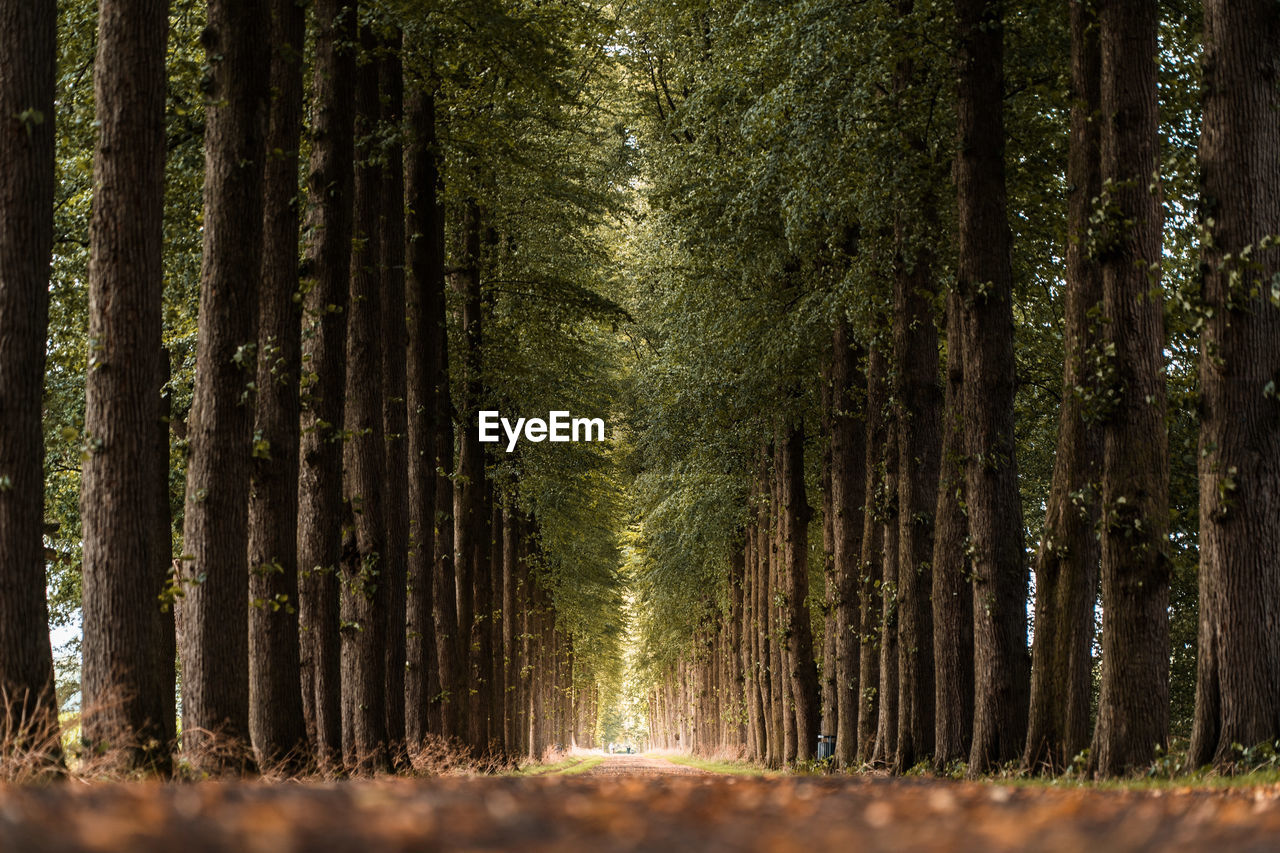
<point x="632" y="812"/>
<point x="641" y="765"/>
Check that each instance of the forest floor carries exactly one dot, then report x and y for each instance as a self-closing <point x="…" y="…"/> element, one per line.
<point x="632" y="803"/>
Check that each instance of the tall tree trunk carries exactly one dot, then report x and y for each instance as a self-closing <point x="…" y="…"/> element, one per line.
<point x="985" y="279"/>
<point x="276" y="721"/>
<point x="28" y="35"/>
<point x="468" y="501"/>
<point x="427" y="382"/>
<point x="952" y="589"/>
<point x="324" y="352"/>
<point x="1238" y="682"/>
<point x="919" y="398"/>
<point x="364" y="582"/>
<point x="887" y="721"/>
<point x="1133" y="703"/>
<point x="735" y="688"/>
<point x="497" y="627"/>
<point x="872" y="558"/>
<point x="848" y="500"/>
<point x="394" y="389"/>
<point x="511" y="534"/>
<point x="1067" y="563"/>
<point x="831" y="590"/>
<point x="215" y="575"/>
<point x="126" y="563"/>
<point x="799" y="629"/>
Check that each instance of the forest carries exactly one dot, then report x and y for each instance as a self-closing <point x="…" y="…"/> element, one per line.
<point x="935" y="344"/>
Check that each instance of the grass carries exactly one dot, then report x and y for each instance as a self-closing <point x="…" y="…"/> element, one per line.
<point x="711" y="765"/>
<point x="570" y="765"/>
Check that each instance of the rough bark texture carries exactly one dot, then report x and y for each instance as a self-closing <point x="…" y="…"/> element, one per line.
<point x="985" y="280"/>
<point x="213" y="615"/>
<point x="848" y="499"/>
<point x="27" y="30"/>
<point x="1067" y="563"/>
<point x="887" y="720"/>
<point x="124" y="681"/>
<point x="952" y="587"/>
<point x="1133" y="703"/>
<point x="830" y="591"/>
<point x="1238" y="682"/>
<point x="872" y="558"/>
<point x="919" y="398"/>
<point x="468" y="499"/>
<point x="426" y="378"/>
<point x="365" y="587"/>
<point x="795" y="530"/>
<point x="275" y="690"/>
<point x="394" y="413"/>
<point x="324" y="352"/>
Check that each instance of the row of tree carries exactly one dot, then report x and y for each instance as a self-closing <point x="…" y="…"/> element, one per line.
<point x="897" y="622"/>
<point x="355" y="580"/>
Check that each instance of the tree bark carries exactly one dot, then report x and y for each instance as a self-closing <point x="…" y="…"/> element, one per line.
<point x="126" y="712"/>
<point x="394" y="389"/>
<point x="985" y="280"/>
<point x="848" y="500"/>
<point x="919" y="398"/>
<point x="887" y="720"/>
<point x="276" y="721"/>
<point x="28" y="29"/>
<point x="1067" y="563"/>
<point x="798" y="628"/>
<point x="872" y="559"/>
<point x="831" y="591"/>
<point x="952" y="586"/>
<point x="327" y="272"/>
<point x="1133" y="703"/>
<point x="1238" y="680"/>
<point x="365" y="585"/>
<point x="215" y="574"/>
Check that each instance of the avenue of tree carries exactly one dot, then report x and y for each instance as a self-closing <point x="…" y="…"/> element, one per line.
<point x="938" y="343"/>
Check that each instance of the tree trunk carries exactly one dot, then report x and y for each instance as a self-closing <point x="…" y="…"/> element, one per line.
<point x="952" y="588"/>
<point x="328" y="269"/>
<point x="468" y="498"/>
<point x="848" y="500"/>
<point x="919" y="400"/>
<point x="887" y="721"/>
<point x="985" y="281"/>
<point x="27" y="30"/>
<point x="215" y="573"/>
<point x="394" y="390"/>
<point x="1238" y="683"/>
<point x="126" y="561"/>
<point x="365" y="584"/>
<point x="1133" y="703"/>
<point x="799" y="629"/>
<point x="830" y="592"/>
<point x="429" y="644"/>
<point x="872" y="559"/>
<point x="276" y="721"/>
<point x="511" y="534"/>
<point x="1067" y="564"/>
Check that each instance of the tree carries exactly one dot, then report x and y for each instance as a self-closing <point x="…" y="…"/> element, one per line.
<point x="985" y="281"/>
<point x="394" y="390"/>
<point x="1238" y="680"/>
<point x="276" y="720"/>
<point x="128" y="669"/>
<point x="365" y="586"/>
<point x="1067" y="563"/>
<point x="848" y="496"/>
<point x="872" y="558"/>
<point x="795" y="558"/>
<point x="214" y="572"/>
<point x="327" y="268"/>
<point x="953" y="656"/>
<point x="1133" y="701"/>
<point x="27" y="30"/>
